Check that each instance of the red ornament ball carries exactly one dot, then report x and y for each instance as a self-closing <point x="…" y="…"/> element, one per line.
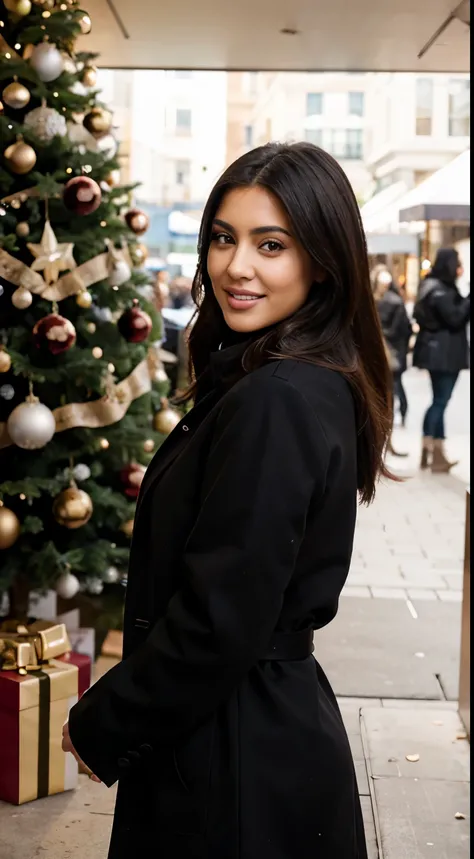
<point x="135" y="325"/>
<point x="132" y="476"/>
<point x="82" y="195"/>
<point x="137" y="221"/>
<point x="54" y="334"/>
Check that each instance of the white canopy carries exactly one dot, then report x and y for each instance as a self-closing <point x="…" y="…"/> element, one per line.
<point x="182" y="224"/>
<point x="444" y="196"/>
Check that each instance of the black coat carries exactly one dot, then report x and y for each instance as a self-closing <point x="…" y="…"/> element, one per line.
<point x="442" y="314"/>
<point x="396" y="326"/>
<point x="244" y="526"/>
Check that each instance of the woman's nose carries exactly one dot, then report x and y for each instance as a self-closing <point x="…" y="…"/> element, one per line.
<point x="241" y="266"/>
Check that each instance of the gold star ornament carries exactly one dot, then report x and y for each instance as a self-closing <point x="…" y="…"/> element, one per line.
<point x="51" y="257"/>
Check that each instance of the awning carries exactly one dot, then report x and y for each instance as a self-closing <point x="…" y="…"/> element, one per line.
<point x="181" y="224"/>
<point x="444" y="196"/>
<point x="392" y="243"/>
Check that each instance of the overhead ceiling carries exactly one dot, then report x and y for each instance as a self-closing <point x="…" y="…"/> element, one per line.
<point x="331" y="35"/>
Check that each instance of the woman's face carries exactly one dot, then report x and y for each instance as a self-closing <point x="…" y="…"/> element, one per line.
<point x="259" y="272"/>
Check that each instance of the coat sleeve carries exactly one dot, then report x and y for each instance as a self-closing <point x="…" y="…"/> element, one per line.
<point x="267" y="464"/>
<point x="451" y="309"/>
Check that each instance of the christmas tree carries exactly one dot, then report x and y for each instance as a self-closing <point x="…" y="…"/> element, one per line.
<point x="81" y="381"/>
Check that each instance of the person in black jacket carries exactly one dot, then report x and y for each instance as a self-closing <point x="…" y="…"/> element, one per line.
<point x="220" y="725"/>
<point x="441" y="348"/>
<point x="397" y="330"/>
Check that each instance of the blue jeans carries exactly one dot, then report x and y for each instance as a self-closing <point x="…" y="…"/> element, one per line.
<point x="443" y="385"/>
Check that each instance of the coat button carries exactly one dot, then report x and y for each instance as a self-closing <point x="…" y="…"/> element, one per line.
<point x="185" y="428"/>
<point x="134" y="757"/>
<point x="123" y="763"/>
<point x="145" y="750"/>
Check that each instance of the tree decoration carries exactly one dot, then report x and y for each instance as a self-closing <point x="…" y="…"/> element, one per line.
<point x="20" y="157"/>
<point x="9" y="527"/>
<point x="47" y="61"/>
<point x="72" y="508"/>
<point x="93" y="585"/>
<point x="22" y="229"/>
<point x="135" y="325"/>
<point x="148" y="445"/>
<point x="137" y="221"/>
<point x="118" y="269"/>
<point x="166" y="419"/>
<point x="22" y="8"/>
<point x="51" y="257"/>
<point x="31" y="425"/>
<point x="138" y="254"/>
<point x="84" y="299"/>
<point x="98" y="122"/>
<point x="5" y="360"/>
<point x="131" y="477"/>
<point x="89" y="76"/>
<point x="82" y="195"/>
<point x="16" y="95"/>
<point x="22" y="298"/>
<point x="67" y="586"/>
<point x="85" y="24"/>
<point x="127" y="528"/>
<point x="54" y="334"/>
<point x="46" y="123"/>
<point x="111" y="575"/>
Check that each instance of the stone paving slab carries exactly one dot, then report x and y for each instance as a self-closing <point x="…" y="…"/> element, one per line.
<point x="415" y="803"/>
<point x="375" y="648"/>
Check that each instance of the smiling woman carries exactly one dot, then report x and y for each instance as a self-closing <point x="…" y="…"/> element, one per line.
<point x="222" y="727"/>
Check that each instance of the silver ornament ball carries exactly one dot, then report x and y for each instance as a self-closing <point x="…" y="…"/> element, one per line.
<point x="22" y="298"/>
<point x="67" y="586"/>
<point x="120" y="273"/>
<point x="46" y="61"/>
<point x="81" y="471"/>
<point x="111" y="575"/>
<point x="31" y="425"/>
<point x="94" y="586"/>
<point x="46" y="123"/>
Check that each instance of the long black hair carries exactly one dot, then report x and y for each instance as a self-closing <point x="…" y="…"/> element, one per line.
<point x="338" y="326"/>
<point x="446" y="265"/>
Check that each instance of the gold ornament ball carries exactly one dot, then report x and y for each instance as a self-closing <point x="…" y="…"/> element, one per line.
<point x="85" y="24"/>
<point x="21" y="157"/>
<point x="127" y="527"/>
<point x="98" y="122"/>
<point x="166" y="420"/>
<point x="19" y="7"/>
<point x="72" y="508"/>
<point x="104" y="443"/>
<point x="16" y="95"/>
<point x="22" y="229"/>
<point x="97" y="352"/>
<point x="5" y="361"/>
<point x="149" y="445"/>
<point x="91" y="327"/>
<point x="138" y="254"/>
<point x="9" y="528"/>
<point x="22" y="298"/>
<point x="89" y="76"/>
<point x="84" y="300"/>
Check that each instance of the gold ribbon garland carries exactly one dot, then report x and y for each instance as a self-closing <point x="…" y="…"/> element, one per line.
<point x="107" y="410"/>
<point x="72" y="283"/>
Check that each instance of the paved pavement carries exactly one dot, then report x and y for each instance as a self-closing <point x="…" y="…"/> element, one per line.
<point x="392" y="655"/>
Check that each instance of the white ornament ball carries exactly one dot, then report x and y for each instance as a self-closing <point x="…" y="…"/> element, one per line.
<point x="67" y="586"/>
<point x="120" y="273"/>
<point x="46" y="61"/>
<point x="46" y="123"/>
<point x="111" y="575"/>
<point x="94" y="586"/>
<point x="81" y="471"/>
<point x="22" y="298"/>
<point x="31" y="425"/>
<point x="108" y="144"/>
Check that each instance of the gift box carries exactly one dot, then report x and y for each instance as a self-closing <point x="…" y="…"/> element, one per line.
<point x="83" y="663"/>
<point x="34" y="706"/>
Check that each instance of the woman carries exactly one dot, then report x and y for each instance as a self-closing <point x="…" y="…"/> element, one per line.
<point x="396" y="329"/>
<point x="221" y="725"/>
<point x="441" y="348"/>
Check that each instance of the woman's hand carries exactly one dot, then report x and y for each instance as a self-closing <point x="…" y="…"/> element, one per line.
<point x="67" y="746"/>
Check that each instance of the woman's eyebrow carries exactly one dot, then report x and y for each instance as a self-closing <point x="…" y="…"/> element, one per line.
<point x="257" y="231"/>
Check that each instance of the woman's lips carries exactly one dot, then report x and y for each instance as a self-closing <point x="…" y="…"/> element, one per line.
<point x="242" y="300"/>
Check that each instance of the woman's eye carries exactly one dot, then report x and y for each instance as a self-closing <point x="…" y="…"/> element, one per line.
<point x="221" y="238"/>
<point x="272" y="246"/>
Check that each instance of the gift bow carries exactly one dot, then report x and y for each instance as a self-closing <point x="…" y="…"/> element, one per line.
<point x="26" y="648"/>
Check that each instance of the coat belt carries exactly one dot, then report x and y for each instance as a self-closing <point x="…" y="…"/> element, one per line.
<point x="289" y="646"/>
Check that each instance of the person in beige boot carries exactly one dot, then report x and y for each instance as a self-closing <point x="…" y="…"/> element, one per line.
<point x="441" y="348"/>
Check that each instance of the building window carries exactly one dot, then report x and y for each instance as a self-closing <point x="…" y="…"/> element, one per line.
<point x="182" y="172"/>
<point x="183" y="121"/>
<point x="314" y="103"/>
<point x="424" y="107"/>
<point x="344" y="143"/>
<point x="354" y="144"/>
<point x="314" y="135"/>
<point x="248" y="135"/>
<point x="459" y="110"/>
<point x="356" y="103"/>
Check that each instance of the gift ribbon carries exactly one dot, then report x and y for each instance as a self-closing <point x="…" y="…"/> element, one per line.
<point x="25" y="648"/>
<point x="43" y="731"/>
